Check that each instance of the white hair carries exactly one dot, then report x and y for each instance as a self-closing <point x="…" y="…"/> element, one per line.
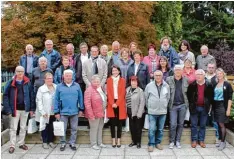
<point x="115" y="43"/>
<point x="67" y="71"/>
<point x="19" y="68"/>
<point x="48" y="42"/>
<point x="95" y="77"/>
<point x="103" y="46"/>
<point x="204" y="47"/>
<point x="29" y="45"/>
<point x="158" y="71"/>
<point x="70" y="44"/>
<point x="42" y="58"/>
<point x="178" y="67"/>
<point x="200" y="71"/>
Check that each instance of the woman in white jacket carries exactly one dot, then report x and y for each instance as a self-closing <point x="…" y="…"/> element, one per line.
<point x="44" y="110"/>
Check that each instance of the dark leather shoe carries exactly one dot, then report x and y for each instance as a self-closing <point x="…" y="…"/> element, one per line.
<point x="11" y="150"/>
<point x="114" y="146"/>
<point x="62" y="148"/>
<point x="138" y="145"/>
<point x="73" y="147"/>
<point x="132" y="144"/>
<point x="118" y="146"/>
<point x="24" y="147"/>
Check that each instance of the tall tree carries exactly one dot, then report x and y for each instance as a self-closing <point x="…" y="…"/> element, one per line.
<point x="167" y="20"/>
<point x="64" y="22"/>
<point x="208" y="23"/>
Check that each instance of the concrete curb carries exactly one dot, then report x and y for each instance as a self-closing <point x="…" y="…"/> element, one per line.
<point x="5" y="137"/>
<point x="230" y="137"/>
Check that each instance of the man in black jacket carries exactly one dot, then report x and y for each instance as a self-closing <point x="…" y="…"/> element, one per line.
<point x="200" y="95"/>
<point x="79" y="60"/>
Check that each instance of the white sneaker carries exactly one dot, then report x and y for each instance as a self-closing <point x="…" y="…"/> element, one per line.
<point x="171" y="145"/>
<point x="52" y="145"/>
<point x="178" y="145"/>
<point x="95" y="147"/>
<point x="45" y="146"/>
<point x="102" y="145"/>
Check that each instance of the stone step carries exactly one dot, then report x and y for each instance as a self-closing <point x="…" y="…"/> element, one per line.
<point x="83" y="136"/>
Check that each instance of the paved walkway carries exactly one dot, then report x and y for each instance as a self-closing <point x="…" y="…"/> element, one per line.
<point x="84" y="152"/>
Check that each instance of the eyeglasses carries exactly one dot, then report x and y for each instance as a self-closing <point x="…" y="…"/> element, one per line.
<point x="19" y="71"/>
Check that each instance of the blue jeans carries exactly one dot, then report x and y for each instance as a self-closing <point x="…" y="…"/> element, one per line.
<point x="200" y="115"/>
<point x="177" y="115"/>
<point x="74" y="127"/>
<point x="156" y="125"/>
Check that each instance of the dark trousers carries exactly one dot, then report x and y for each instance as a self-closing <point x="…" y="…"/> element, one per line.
<point x="200" y="115"/>
<point x="116" y="122"/>
<point x="48" y="134"/>
<point x="135" y="128"/>
<point x="82" y="87"/>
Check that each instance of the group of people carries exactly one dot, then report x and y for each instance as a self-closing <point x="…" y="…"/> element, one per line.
<point x="169" y="87"/>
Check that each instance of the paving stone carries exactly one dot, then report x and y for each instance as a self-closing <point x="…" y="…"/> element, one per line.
<point x="215" y="157"/>
<point x="11" y="156"/>
<point x="189" y="157"/>
<point x="34" y="156"/>
<point x="67" y="156"/>
<point x="163" y="157"/>
<point x="85" y="157"/>
<point x="67" y="150"/>
<point x="138" y="157"/>
<point x="112" y="152"/>
<point x="186" y="151"/>
<point x="38" y="149"/>
<point x="111" y="157"/>
<point x="164" y="152"/>
<point x="87" y="151"/>
<point x="229" y="151"/>
<point x="210" y="152"/>
<point x="136" y="152"/>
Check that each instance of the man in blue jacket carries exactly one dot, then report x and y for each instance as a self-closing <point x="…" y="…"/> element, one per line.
<point x="29" y="61"/>
<point x="53" y="56"/>
<point x="17" y="102"/>
<point x="168" y="51"/>
<point x="68" y="105"/>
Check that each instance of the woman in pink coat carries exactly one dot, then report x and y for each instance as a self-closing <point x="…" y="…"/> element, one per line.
<point x="95" y="104"/>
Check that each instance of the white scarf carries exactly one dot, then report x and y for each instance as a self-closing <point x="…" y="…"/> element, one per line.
<point x="115" y="85"/>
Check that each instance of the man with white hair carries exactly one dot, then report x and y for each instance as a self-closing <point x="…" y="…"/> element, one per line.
<point x="168" y="51"/>
<point x="178" y="104"/>
<point x="68" y="104"/>
<point x="38" y="74"/>
<point x="200" y="95"/>
<point x="53" y="56"/>
<point x="115" y="52"/>
<point x="70" y="53"/>
<point x="204" y="59"/>
<point x="158" y="92"/>
<point x="17" y="102"/>
<point x="29" y="61"/>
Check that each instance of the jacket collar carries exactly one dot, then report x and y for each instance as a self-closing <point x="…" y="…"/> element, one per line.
<point x="25" y="80"/>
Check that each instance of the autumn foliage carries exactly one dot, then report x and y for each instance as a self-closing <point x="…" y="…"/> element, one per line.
<point x="73" y="22"/>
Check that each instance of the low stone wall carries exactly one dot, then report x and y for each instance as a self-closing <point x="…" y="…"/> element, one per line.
<point x="230" y="137"/>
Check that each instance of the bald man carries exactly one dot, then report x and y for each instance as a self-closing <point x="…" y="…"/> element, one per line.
<point x="204" y="59"/>
<point x="17" y="103"/>
<point x="29" y="61"/>
<point x="53" y="56"/>
<point x="70" y="53"/>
